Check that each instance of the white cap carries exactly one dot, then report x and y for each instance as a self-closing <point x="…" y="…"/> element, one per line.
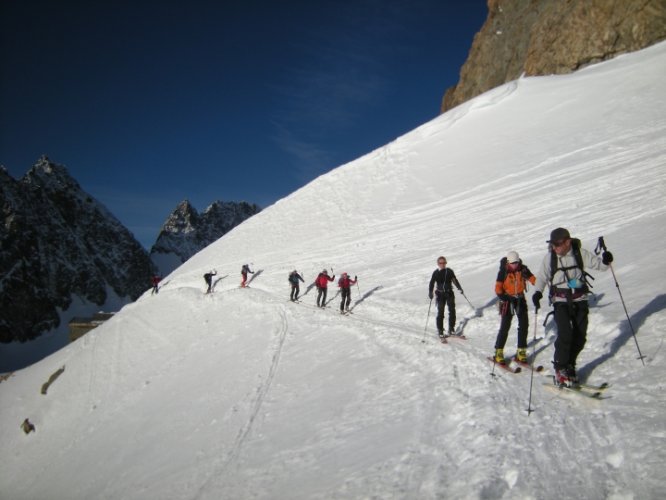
<point x="512" y="257"/>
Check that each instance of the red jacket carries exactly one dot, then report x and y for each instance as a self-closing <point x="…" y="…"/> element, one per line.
<point x="346" y="282"/>
<point x="323" y="279"/>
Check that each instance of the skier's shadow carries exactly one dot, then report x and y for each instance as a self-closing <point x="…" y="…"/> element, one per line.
<point x="333" y="298"/>
<point x="637" y="319"/>
<point x="217" y="281"/>
<point x="307" y="290"/>
<point x="365" y="296"/>
<point x="256" y="273"/>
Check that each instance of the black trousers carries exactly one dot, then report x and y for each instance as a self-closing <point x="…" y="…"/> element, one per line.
<point x="518" y="308"/>
<point x="294" y="292"/>
<point x="446" y="299"/>
<point x="346" y="298"/>
<point x="321" y="296"/>
<point x="571" y="320"/>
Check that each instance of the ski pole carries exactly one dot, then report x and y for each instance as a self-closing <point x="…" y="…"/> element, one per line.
<point x="426" y="325"/>
<point x="601" y="245"/>
<point x="358" y="288"/>
<point x="470" y="304"/>
<point x="536" y="324"/>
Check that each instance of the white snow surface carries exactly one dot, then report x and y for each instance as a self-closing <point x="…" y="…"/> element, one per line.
<point x="242" y="394"/>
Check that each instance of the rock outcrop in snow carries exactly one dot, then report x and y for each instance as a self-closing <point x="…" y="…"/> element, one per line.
<point x="553" y="37"/>
<point x="57" y="242"/>
<point x="186" y="232"/>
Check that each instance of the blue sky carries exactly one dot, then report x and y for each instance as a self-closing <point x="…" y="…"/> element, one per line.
<point x="151" y="102"/>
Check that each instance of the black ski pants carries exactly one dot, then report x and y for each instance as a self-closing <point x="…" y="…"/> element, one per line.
<point x="295" y="289"/>
<point x="571" y="320"/>
<point x="508" y="309"/>
<point x="446" y="299"/>
<point x="346" y="298"/>
<point x="321" y="296"/>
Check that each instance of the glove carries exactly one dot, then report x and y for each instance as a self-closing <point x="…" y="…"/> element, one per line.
<point x="606" y="258"/>
<point x="504" y="297"/>
<point x="355" y="278"/>
<point x="536" y="299"/>
<point x="461" y="291"/>
<point x="430" y="295"/>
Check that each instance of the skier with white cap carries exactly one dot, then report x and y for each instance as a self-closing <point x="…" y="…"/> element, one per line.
<point x="510" y="287"/>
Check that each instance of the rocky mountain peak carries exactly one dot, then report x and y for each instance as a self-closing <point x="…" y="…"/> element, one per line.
<point x="543" y="37"/>
<point x="186" y="231"/>
<point x="57" y="243"/>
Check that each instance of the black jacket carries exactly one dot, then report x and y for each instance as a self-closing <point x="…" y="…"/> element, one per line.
<point x="443" y="278"/>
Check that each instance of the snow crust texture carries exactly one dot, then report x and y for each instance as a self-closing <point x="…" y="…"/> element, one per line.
<point x="242" y="394"/>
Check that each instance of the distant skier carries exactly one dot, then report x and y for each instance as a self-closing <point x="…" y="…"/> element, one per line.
<point x="244" y="271"/>
<point x="322" y="287"/>
<point x="294" y="278"/>
<point x="510" y="287"/>
<point x="155" y="280"/>
<point x="208" y="277"/>
<point x="563" y="269"/>
<point x="444" y="278"/>
<point x="345" y="283"/>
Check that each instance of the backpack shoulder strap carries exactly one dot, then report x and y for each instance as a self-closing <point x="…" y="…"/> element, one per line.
<point x="501" y="273"/>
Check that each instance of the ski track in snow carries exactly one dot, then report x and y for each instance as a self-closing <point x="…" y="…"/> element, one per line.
<point x="242" y="394"/>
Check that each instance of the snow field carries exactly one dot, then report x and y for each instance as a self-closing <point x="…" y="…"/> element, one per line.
<point x="242" y="394"/>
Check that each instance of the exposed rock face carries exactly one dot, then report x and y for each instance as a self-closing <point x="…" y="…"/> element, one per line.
<point x="186" y="232"/>
<point x="57" y="242"/>
<point x="542" y="37"/>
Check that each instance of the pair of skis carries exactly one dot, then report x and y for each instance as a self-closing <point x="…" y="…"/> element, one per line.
<point x="444" y="338"/>
<point x="586" y="390"/>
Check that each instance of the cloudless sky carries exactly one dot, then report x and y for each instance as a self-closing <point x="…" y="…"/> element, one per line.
<point x="151" y="102"/>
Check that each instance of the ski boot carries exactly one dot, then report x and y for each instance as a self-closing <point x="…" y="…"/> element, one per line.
<point x="441" y="334"/>
<point x="521" y="355"/>
<point x="561" y="378"/>
<point x="571" y="373"/>
<point x="499" y="356"/>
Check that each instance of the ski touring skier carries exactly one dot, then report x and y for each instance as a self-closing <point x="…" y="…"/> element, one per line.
<point x="345" y="283"/>
<point x="442" y="282"/>
<point x="564" y="270"/>
<point x="294" y="278"/>
<point x="510" y="288"/>
<point x="244" y="270"/>
<point x="322" y="287"/>
<point x="208" y="277"/>
<point x="155" y="280"/>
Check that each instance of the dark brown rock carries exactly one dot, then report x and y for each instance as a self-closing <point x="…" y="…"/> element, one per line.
<point x="542" y="37"/>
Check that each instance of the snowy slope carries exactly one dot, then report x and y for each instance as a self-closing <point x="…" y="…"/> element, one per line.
<point x="241" y="394"/>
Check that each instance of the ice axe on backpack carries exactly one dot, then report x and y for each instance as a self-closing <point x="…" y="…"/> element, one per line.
<point x="601" y="247"/>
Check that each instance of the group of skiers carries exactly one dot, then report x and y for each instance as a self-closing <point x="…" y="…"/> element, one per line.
<point x="321" y="282"/>
<point x="563" y="269"/>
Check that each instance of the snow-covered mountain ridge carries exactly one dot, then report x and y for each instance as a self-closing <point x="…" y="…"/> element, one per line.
<point x="186" y="231"/>
<point x="59" y="245"/>
<point x="243" y="394"/>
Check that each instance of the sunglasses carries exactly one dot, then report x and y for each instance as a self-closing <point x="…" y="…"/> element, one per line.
<point x="557" y="244"/>
<point x="441" y="262"/>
